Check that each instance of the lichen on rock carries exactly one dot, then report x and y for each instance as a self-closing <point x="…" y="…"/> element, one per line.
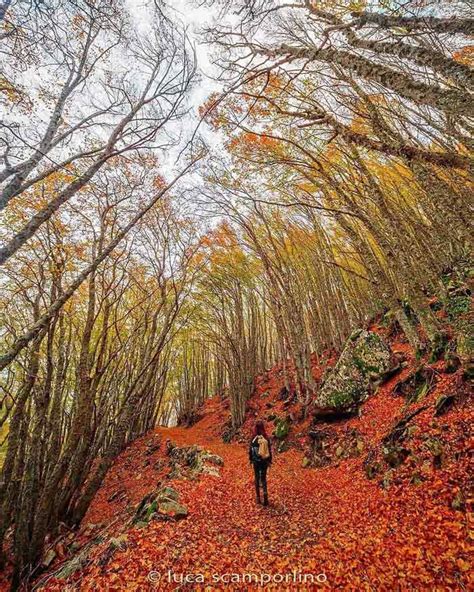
<point x="365" y="359"/>
<point x="191" y="461"/>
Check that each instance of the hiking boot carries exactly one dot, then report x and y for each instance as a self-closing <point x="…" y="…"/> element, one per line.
<point x="265" y="500"/>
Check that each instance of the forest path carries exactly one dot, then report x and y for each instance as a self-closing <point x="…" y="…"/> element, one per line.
<point x="328" y="521"/>
<point x="331" y="520"/>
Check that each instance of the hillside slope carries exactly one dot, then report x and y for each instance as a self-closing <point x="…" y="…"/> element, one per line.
<point x="405" y="528"/>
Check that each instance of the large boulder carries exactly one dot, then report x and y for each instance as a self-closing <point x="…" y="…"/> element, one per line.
<point x="364" y="360"/>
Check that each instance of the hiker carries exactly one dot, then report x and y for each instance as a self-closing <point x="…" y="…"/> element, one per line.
<point x="260" y="455"/>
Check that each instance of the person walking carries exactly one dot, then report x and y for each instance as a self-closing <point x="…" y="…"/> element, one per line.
<point x="260" y="456"/>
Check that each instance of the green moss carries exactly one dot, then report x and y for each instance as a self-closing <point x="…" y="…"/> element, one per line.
<point x="340" y="398"/>
<point x="352" y="392"/>
<point x="419" y="353"/>
<point x="281" y="428"/>
<point x="364" y="367"/>
<point x="438" y="347"/>
<point x="420" y="393"/>
<point x="364" y="357"/>
<point x="458" y="305"/>
<point x="387" y="319"/>
<point x="151" y="510"/>
<point x="372" y="339"/>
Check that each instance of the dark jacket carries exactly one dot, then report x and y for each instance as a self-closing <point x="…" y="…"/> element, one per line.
<point x="253" y="451"/>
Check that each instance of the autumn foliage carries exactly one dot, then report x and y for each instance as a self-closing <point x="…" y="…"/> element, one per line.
<point x="404" y="529"/>
<point x="224" y="213"/>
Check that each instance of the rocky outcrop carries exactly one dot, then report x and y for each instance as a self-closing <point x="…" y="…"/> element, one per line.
<point x="162" y="504"/>
<point x="191" y="461"/>
<point x="185" y="462"/>
<point x="328" y="445"/>
<point x="365" y="359"/>
<point x="417" y="384"/>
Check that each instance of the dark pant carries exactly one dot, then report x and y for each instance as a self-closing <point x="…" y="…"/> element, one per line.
<point x="260" y="469"/>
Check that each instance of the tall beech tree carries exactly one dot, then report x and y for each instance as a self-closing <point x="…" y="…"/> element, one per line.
<point x="329" y="48"/>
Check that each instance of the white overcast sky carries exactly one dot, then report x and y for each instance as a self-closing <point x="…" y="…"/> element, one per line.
<point x="194" y="18"/>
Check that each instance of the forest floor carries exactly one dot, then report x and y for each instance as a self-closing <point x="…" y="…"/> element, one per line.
<point x="405" y="529"/>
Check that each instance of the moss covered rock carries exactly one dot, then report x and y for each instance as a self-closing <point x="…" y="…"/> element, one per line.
<point x="168" y="493"/>
<point x="365" y="359"/>
<point x="172" y="509"/>
<point x="190" y="461"/>
<point x="282" y="428"/>
<point x="162" y="504"/>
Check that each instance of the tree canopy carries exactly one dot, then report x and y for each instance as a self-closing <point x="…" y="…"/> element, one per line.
<point x="157" y="248"/>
